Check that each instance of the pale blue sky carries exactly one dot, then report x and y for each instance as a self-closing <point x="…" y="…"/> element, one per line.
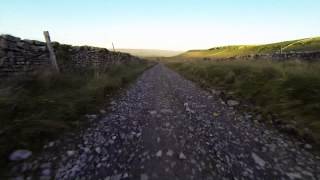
<point x="161" y="24"/>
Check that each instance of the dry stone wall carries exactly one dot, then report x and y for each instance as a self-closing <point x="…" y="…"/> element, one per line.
<point x="20" y="57"/>
<point x="92" y="57"/>
<point x="301" y="56"/>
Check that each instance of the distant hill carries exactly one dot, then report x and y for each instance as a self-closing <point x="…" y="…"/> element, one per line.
<point x="150" y="52"/>
<point x="301" y="45"/>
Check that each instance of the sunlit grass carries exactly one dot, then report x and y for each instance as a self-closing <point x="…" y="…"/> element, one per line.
<point x="289" y="89"/>
<point x="309" y="44"/>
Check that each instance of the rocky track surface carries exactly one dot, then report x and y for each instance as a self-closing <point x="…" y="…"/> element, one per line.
<point x="165" y="127"/>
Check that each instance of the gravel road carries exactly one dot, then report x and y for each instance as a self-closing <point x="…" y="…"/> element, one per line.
<point x="166" y="127"/>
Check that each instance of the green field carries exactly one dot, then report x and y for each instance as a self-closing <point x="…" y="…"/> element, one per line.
<point x="301" y="45"/>
<point x="289" y="90"/>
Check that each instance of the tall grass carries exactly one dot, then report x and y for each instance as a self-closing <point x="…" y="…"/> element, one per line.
<point x="36" y="109"/>
<point x="289" y="89"/>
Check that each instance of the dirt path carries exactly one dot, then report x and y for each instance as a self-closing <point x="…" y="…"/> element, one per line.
<point x="165" y="127"/>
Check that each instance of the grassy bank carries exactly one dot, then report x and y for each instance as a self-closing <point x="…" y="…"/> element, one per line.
<point x="290" y="89"/>
<point x="36" y="109"/>
<point x="300" y="45"/>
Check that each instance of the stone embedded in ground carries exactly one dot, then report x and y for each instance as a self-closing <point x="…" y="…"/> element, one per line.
<point x="159" y="153"/>
<point x="215" y="92"/>
<point x="116" y="177"/>
<point x="144" y="177"/>
<point x="86" y="149"/>
<point x="111" y="141"/>
<point x="258" y="160"/>
<point x="51" y="144"/>
<point x="91" y="116"/>
<point x="153" y="112"/>
<point x="233" y="103"/>
<point x="103" y="111"/>
<point x="294" y="176"/>
<point x="20" y="154"/>
<point x="125" y="175"/>
<point x="98" y="150"/>
<point x="182" y="156"/>
<point x="215" y="114"/>
<point x="46" y="172"/>
<point x="169" y="152"/>
<point x="138" y="135"/>
<point x="166" y="111"/>
<point x="308" y="146"/>
<point x="70" y="153"/>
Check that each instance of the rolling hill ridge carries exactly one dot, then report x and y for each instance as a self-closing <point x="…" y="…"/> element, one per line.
<point x="301" y="45"/>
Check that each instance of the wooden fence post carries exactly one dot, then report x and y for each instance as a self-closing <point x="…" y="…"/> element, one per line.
<point x="117" y="59"/>
<point x="113" y="47"/>
<point x="53" y="59"/>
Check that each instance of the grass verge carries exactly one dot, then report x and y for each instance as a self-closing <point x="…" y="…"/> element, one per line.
<point x="36" y="109"/>
<point x="300" y="45"/>
<point x="289" y="89"/>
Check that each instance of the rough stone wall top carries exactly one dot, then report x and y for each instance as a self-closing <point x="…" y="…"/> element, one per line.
<point x="303" y="56"/>
<point x="21" y="56"/>
<point x="83" y="57"/>
<point x="27" y="56"/>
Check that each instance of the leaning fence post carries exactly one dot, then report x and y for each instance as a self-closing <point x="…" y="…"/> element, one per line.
<point x="53" y="59"/>
<point x="117" y="59"/>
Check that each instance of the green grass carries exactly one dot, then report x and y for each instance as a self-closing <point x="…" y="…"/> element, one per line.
<point x="290" y="89"/>
<point x="301" y="45"/>
<point x="36" y="109"/>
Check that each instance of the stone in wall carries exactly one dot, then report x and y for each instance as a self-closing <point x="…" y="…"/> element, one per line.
<point x="84" y="57"/>
<point x="21" y="56"/>
<point x="27" y="56"/>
